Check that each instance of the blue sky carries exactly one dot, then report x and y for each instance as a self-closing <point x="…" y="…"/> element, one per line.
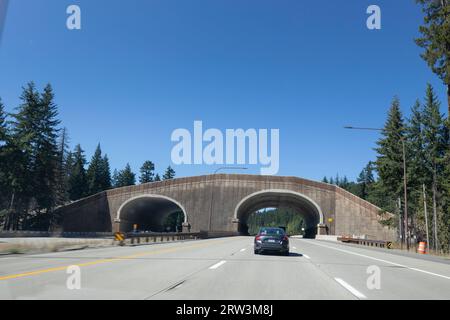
<point x="139" y="69"/>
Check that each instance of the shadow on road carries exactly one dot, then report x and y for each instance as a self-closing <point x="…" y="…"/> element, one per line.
<point x="291" y="254"/>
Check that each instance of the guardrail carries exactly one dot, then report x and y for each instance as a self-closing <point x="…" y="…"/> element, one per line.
<point x="55" y="234"/>
<point x="146" y="238"/>
<point x="367" y="242"/>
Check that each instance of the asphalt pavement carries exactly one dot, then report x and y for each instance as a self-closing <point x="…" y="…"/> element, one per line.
<point x="225" y="269"/>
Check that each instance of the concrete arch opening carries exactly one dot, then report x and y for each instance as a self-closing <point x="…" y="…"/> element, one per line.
<point x="148" y="212"/>
<point x="301" y="204"/>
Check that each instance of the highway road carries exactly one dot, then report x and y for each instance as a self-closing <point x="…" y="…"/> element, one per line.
<point x="225" y="269"/>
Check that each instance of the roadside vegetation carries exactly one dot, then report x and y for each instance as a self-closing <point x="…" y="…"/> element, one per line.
<point x="274" y="217"/>
<point x="38" y="171"/>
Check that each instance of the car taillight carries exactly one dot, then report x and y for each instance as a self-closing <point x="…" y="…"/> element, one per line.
<point x="286" y="238"/>
<point x="258" y="238"/>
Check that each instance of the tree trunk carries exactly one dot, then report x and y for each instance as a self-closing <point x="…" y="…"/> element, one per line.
<point x="400" y="223"/>
<point x="425" y="211"/>
<point x="435" y="225"/>
<point x="10" y="215"/>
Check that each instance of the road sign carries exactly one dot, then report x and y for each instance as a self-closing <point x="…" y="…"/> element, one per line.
<point x="330" y="220"/>
<point x="389" y="245"/>
<point x="119" y="236"/>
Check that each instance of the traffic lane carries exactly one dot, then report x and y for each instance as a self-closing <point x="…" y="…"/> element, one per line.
<point x="26" y="263"/>
<point x="351" y="265"/>
<point x="398" y="252"/>
<point x="143" y="272"/>
<point x="437" y="267"/>
<point x="246" y="276"/>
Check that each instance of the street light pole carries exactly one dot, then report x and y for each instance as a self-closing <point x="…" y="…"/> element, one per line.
<point x="212" y="191"/>
<point x="405" y="182"/>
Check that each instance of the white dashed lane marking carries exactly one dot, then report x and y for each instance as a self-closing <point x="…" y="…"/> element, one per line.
<point x="217" y="265"/>
<point x="353" y="291"/>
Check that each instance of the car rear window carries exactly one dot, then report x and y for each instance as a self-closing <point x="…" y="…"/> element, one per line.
<point x="271" y="231"/>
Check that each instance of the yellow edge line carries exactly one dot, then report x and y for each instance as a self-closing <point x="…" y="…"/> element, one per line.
<point x="92" y="263"/>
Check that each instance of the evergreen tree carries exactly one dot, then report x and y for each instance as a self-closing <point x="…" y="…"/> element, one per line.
<point x="105" y="174"/>
<point x="147" y="172"/>
<point x="344" y="183"/>
<point x="115" y="179"/>
<point x="169" y="174"/>
<point x="4" y="183"/>
<point x="365" y="181"/>
<point x="95" y="171"/>
<point x="337" y="180"/>
<point x="415" y="139"/>
<point x="390" y="150"/>
<point x="35" y="135"/>
<point x="64" y="165"/>
<point x="78" y="186"/>
<point x="22" y="151"/>
<point x="325" y="180"/>
<point x="416" y="168"/>
<point x="435" y="39"/>
<point x="157" y="178"/>
<point x="435" y="147"/>
<point x="3" y="126"/>
<point x="126" y="177"/>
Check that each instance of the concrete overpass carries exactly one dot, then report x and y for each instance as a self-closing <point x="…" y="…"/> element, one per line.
<point x="223" y="203"/>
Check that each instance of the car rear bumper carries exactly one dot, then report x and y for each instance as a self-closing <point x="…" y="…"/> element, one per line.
<point x="272" y="246"/>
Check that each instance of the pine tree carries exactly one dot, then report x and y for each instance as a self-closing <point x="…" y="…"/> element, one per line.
<point x="389" y="163"/>
<point x="157" y="177"/>
<point x="3" y="126"/>
<point x="105" y="174"/>
<point x="47" y="155"/>
<point x="337" y="180"/>
<point x="416" y="168"/>
<point x="365" y="181"/>
<point x="35" y="133"/>
<point x="126" y="177"/>
<point x="435" y="39"/>
<point x="78" y="185"/>
<point x="147" y="172"/>
<point x="4" y="185"/>
<point x="169" y="174"/>
<point x="115" y="179"/>
<point x="94" y="172"/>
<point x="64" y="165"/>
<point x="435" y="147"/>
<point x="416" y="163"/>
<point x="22" y="151"/>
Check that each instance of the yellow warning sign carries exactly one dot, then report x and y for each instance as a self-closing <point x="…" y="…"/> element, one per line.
<point x="389" y="245"/>
<point x="119" y="236"/>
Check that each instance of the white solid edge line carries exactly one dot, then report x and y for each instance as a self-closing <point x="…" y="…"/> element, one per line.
<point x="217" y="265"/>
<point x="306" y="256"/>
<point x="242" y="250"/>
<point x="353" y="291"/>
<point x="382" y="260"/>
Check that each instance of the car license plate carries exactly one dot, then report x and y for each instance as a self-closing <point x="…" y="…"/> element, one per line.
<point x="271" y="241"/>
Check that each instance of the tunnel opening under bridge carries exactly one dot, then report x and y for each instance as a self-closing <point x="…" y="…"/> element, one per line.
<point x="280" y="199"/>
<point x="151" y="213"/>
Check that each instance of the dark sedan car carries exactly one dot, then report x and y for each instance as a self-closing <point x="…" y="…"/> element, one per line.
<point x="273" y="240"/>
